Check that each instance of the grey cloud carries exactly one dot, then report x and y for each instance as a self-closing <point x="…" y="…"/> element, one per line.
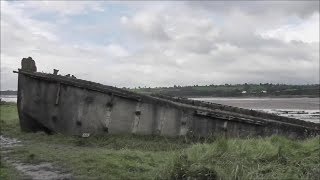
<point x="182" y="45"/>
<point x="201" y="45"/>
<point x="254" y="44"/>
<point x="299" y="8"/>
<point x="62" y="8"/>
<point x="147" y="25"/>
<point x="8" y="79"/>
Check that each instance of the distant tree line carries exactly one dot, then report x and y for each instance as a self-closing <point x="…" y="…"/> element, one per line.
<point x="237" y="90"/>
<point x="227" y="90"/>
<point x="8" y="92"/>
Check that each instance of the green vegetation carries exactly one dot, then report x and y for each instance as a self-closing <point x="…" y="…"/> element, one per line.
<point x="269" y="158"/>
<point x="238" y="90"/>
<point x="8" y="172"/>
<point x="154" y="157"/>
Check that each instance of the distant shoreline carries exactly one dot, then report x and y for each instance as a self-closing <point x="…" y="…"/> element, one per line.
<point x="244" y="97"/>
<point x="240" y="97"/>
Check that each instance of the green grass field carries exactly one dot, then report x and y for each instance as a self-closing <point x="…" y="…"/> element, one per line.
<point x="154" y="157"/>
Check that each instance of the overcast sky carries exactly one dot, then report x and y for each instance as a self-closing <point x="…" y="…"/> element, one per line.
<point x="170" y="43"/>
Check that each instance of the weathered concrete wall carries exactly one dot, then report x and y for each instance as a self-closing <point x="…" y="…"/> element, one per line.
<point x="55" y="103"/>
<point x="73" y="110"/>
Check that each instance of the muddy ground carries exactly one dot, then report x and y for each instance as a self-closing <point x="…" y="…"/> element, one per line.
<point x="40" y="171"/>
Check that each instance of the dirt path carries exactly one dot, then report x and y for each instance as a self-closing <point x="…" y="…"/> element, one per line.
<point x="30" y="171"/>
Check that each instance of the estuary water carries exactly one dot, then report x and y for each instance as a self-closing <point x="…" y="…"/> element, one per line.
<point x="8" y="98"/>
<point x="301" y="108"/>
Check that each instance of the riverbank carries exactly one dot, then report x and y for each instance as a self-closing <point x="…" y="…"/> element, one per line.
<point x="154" y="157"/>
<point x="257" y="97"/>
<point x="306" y="109"/>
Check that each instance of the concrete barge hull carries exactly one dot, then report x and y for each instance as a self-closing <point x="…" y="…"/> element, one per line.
<point x="60" y="104"/>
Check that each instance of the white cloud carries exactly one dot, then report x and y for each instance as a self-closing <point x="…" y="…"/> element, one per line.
<point x="22" y="36"/>
<point x="167" y="43"/>
<point x="232" y="51"/>
<point x="117" y="50"/>
<point x="60" y="7"/>
<point x="307" y="31"/>
<point x="261" y="9"/>
<point x="147" y="24"/>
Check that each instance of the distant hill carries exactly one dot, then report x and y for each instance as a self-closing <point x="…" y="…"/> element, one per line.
<point x="8" y="92"/>
<point x="238" y="90"/>
<point x="229" y="90"/>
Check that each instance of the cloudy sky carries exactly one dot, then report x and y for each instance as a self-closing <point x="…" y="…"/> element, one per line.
<point x="163" y="43"/>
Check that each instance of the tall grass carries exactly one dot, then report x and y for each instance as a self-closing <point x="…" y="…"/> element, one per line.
<point x="155" y="157"/>
<point x="266" y="158"/>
